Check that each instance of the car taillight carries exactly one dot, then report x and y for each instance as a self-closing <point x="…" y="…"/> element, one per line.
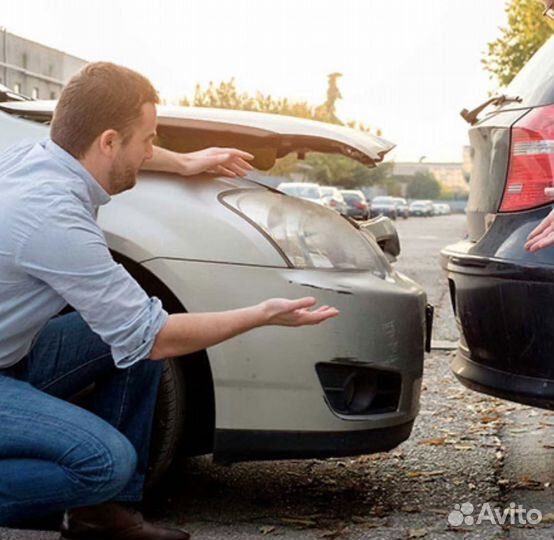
<point x="531" y="161"/>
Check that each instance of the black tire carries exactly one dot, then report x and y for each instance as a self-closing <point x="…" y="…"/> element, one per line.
<point x="169" y="421"/>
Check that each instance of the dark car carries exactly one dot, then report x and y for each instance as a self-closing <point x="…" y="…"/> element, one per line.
<point x="357" y="206"/>
<point x="503" y="296"/>
<point x="384" y="206"/>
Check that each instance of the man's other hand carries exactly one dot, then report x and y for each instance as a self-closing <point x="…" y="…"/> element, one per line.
<point x="542" y="236"/>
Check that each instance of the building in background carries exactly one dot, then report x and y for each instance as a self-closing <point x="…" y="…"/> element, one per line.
<point x="453" y="177"/>
<point x="32" y="69"/>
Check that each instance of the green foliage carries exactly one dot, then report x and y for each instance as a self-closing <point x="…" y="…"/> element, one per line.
<point x="447" y="195"/>
<point x="343" y="171"/>
<point x="335" y="170"/>
<point x="423" y="186"/>
<point x="527" y="30"/>
<point x="226" y="96"/>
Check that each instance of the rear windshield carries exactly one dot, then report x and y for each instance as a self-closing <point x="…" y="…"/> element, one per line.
<point x="535" y="82"/>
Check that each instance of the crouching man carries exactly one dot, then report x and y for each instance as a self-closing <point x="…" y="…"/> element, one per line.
<point x="55" y="456"/>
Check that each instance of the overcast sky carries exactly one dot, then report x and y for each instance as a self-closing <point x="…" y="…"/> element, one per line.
<point x="408" y="66"/>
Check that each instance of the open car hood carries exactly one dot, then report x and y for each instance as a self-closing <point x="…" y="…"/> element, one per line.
<point x="267" y="136"/>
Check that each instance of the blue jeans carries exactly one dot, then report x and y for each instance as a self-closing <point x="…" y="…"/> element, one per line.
<point x="55" y="455"/>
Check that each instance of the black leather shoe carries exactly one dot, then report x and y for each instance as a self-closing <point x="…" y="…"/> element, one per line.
<point x="111" y="521"/>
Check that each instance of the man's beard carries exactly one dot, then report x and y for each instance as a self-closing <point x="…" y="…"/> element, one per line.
<point x="121" y="177"/>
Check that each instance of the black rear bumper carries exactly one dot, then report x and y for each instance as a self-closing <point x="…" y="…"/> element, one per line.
<point x="506" y="385"/>
<point x="503" y="299"/>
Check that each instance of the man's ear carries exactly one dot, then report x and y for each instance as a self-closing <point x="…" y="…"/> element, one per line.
<point x="109" y="142"/>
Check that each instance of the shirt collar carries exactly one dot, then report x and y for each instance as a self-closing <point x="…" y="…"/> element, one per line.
<point x="98" y="195"/>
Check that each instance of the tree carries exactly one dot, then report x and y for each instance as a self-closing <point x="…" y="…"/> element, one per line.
<point x="527" y="30"/>
<point x="423" y="186"/>
<point x="226" y="96"/>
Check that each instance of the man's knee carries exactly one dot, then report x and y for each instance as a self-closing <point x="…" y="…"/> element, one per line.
<point x="102" y="464"/>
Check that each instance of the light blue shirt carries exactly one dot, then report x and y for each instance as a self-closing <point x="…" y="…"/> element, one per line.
<point x="53" y="253"/>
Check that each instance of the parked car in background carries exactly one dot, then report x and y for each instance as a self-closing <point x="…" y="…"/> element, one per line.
<point x="357" y="206"/>
<point x="502" y="295"/>
<point x="384" y="206"/>
<point x="402" y="207"/>
<point x="332" y="197"/>
<point x="421" y="208"/>
<point x="441" y="209"/>
<point x="348" y="387"/>
<point x="303" y="190"/>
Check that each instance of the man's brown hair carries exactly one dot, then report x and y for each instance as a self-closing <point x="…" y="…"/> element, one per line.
<point x="101" y="96"/>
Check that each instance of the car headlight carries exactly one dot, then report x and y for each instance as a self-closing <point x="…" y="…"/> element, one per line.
<point x="309" y="235"/>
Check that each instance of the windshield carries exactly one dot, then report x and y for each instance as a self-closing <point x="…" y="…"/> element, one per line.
<point x="534" y="84"/>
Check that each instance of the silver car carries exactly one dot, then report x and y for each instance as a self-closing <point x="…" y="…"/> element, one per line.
<point x="350" y="386"/>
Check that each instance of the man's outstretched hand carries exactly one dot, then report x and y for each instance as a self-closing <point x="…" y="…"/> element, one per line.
<point x="226" y="161"/>
<point x="284" y="312"/>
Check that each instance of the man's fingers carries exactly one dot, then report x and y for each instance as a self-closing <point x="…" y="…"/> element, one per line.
<point x="315" y="317"/>
<point x="239" y="168"/>
<point x="301" y="303"/>
<point x="541" y="242"/>
<point x="239" y="162"/>
<point x="549" y="192"/>
<point x="220" y="169"/>
<point x="239" y="153"/>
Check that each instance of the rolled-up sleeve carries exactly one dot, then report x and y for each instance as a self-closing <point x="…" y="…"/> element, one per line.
<point x="69" y="253"/>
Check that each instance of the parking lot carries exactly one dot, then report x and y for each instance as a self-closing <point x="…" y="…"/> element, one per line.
<point x="465" y="448"/>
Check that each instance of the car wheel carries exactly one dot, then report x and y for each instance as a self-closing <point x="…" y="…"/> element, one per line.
<point x="169" y="421"/>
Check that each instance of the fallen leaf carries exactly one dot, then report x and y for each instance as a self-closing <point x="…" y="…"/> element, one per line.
<point x="267" y="530"/>
<point x="528" y="483"/>
<point x="417" y="533"/>
<point x="438" y="441"/>
<point x="418" y="474"/>
<point x="464" y="447"/>
<point x="547" y="518"/>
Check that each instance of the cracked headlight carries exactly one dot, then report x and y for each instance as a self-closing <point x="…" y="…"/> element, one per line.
<point x="307" y="234"/>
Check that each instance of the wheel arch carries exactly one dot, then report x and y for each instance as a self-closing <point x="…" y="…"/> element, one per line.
<point x="199" y="425"/>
